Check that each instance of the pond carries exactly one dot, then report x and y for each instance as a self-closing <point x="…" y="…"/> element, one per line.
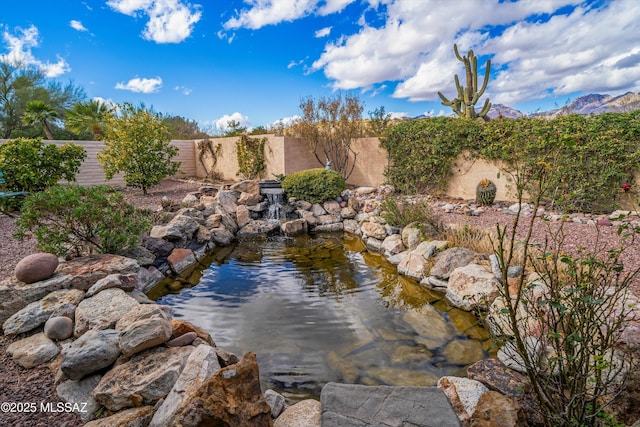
<point x="323" y="308"/>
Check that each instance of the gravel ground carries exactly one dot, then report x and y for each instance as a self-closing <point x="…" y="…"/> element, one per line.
<point x="36" y="385"/>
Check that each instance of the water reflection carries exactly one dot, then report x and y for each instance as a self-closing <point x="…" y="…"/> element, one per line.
<point x="324" y="309"/>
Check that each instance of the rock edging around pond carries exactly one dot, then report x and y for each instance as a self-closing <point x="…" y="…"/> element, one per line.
<point x="132" y="358"/>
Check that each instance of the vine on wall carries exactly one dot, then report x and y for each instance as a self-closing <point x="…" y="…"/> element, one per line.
<point x="206" y="148"/>
<point x="251" y="162"/>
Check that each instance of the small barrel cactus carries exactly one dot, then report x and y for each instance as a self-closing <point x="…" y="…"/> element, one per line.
<point x="485" y="192"/>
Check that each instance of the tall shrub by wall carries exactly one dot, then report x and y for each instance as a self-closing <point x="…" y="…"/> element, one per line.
<point x="588" y="158"/>
<point x="421" y="151"/>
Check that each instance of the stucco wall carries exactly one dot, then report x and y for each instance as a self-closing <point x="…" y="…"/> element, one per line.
<point x="91" y="172"/>
<point x="467" y="173"/>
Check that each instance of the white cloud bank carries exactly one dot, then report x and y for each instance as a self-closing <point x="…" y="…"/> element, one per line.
<point x="272" y="12"/>
<point x="20" y="46"/>
<point x="539" y="48"/>
<point x="141" y="85"/>
<point x="222" y="124"/>
<point x="170" y="21"/>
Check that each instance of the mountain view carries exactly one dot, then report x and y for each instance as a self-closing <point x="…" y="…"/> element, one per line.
<point x="588" y="104"/>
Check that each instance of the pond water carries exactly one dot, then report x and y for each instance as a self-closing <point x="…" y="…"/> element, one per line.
<point x="323" y="308"/>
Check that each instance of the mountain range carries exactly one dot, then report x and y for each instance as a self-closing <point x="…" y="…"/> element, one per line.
<point x="588" y="104"/>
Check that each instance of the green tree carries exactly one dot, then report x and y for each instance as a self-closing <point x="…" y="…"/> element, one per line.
<point x="88" y="118"/>
<point x="38" y="112"/>
<point x="19" y="85"/>
<point x="379" y="121"/>
<point x="182" y="128"/>
<point x="330" y="125"/>
<point x="234" y="128"/>
<point x="137" y="143"/>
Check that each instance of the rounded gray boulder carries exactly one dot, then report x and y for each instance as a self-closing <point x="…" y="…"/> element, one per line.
<point x="58" y="328"/>
<point x="36" y="267"/>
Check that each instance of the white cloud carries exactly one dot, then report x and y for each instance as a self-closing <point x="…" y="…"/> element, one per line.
<point x="20" y="47"/>
<point x="593" y="48"/>
<point x="77" y="25"/>
<point x="170" y="21"/>
<point x="222" y="124"/>
<point x="184" y="90"/>
<point x="284" y="122"/>
<point x="272" y="12"/>
<point x="323" y="32"/>
<point x="398" y="114"/>
<point x="141" y="85"/>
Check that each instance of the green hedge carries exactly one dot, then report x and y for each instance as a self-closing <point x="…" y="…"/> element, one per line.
<point x="314" y="185"/>
<point x="586" y="159"/>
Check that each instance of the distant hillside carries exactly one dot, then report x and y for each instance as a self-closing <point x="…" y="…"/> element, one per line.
<point x="588" y="104"/>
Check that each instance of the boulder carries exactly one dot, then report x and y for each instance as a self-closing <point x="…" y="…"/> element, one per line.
<point x="159" y="247"/>
<point x="304" y="413"/>
<point x="93" y="351"/>
<point x="317" y="209"/>
<point x="392" y="245"/>
<point x="143" y="380"/>
<point x="135" y="417"/>
<point x="332" y="207"/>
<point x="257" y="228"/>
<point x="144" y="334"/>
<point x="32" y="351"/>
<point x="148" y="278"/>
<point x="472" y="286"/>
<point x="142" y="255"/>
<point x="179" y="230"/>
<point x="375" y="230"/>
<point x="36" y="267"/>
<point x="37" y="313"/>
<point x="250" y="186"/>
<point x="200" y="366"/>
<point x="495" y="409"/>
<point x="58" y="328"/>
<point x="249" y="199"/>
<point x="231" y="396"/>
<point x="227" y="202"/>
<point x="359" y="405"/>
<point x="463" y="394"/>
<point x="348" y="213"/>
<point x="182" y="340"/>
<point x="414" y="266"/>
<point x="221" y="236"/>
<point x="126" y="282"/>
<point x="85" y="271"/>
<point x="243" y="217"/>
<point x="294" y="227"/>
<point x="181" y="259"/>
<point x="181" y="327"/>
<point x="276" y="402"/>
<point x="80" y="395"/>
<point x="142" y="312"/>
<point x="103" y="310"/>
<point x="450" y="259"/>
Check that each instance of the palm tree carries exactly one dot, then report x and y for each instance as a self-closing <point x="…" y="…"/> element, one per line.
<point x="39" y="112"/>
<point x="88" y="117"/>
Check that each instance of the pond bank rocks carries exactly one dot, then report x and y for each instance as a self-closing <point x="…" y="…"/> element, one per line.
<point x="129" y="356"/>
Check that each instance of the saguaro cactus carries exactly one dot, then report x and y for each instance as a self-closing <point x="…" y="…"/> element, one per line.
<point x="464" y="104"/>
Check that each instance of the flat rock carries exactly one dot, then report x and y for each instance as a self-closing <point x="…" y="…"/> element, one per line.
<point x="37" y="313"/>
<point x="142" y="312"/>
<point x="86" y="271"/>
<point x="350" y="405"/>
<point x="32" y="351"/>
<point x="36" y="267"/>
<point x="144" y="334"/>
<point x="181" y="327"/>
<point x="257" y="228"/>
<point x="126" y="282"/>
<point x="450" y="259"/>
<point x="143" y="380"/>
<point x="181" y="259"/>
<point x="80" y="394"/>
<point x="463" y="393"/>
<point x="93" y="351"/>
<point x="103" y="310"/>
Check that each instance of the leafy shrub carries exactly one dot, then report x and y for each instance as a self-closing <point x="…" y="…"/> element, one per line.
<point x="250" y="156"/>
<point x="30" y="165"/>
<point x="314" y="185"/>
<point x="72" y="220"/>
<point x="137" y="143"/>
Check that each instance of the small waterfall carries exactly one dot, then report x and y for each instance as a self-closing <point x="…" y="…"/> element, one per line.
<point x="275" y="211"/>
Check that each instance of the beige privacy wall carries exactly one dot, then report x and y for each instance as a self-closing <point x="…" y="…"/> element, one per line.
<point x="91" y="172"/>
<point x="285" y="155"/>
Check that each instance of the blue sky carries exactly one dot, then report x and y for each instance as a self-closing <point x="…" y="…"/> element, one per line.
<point x="253" y="60"/>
